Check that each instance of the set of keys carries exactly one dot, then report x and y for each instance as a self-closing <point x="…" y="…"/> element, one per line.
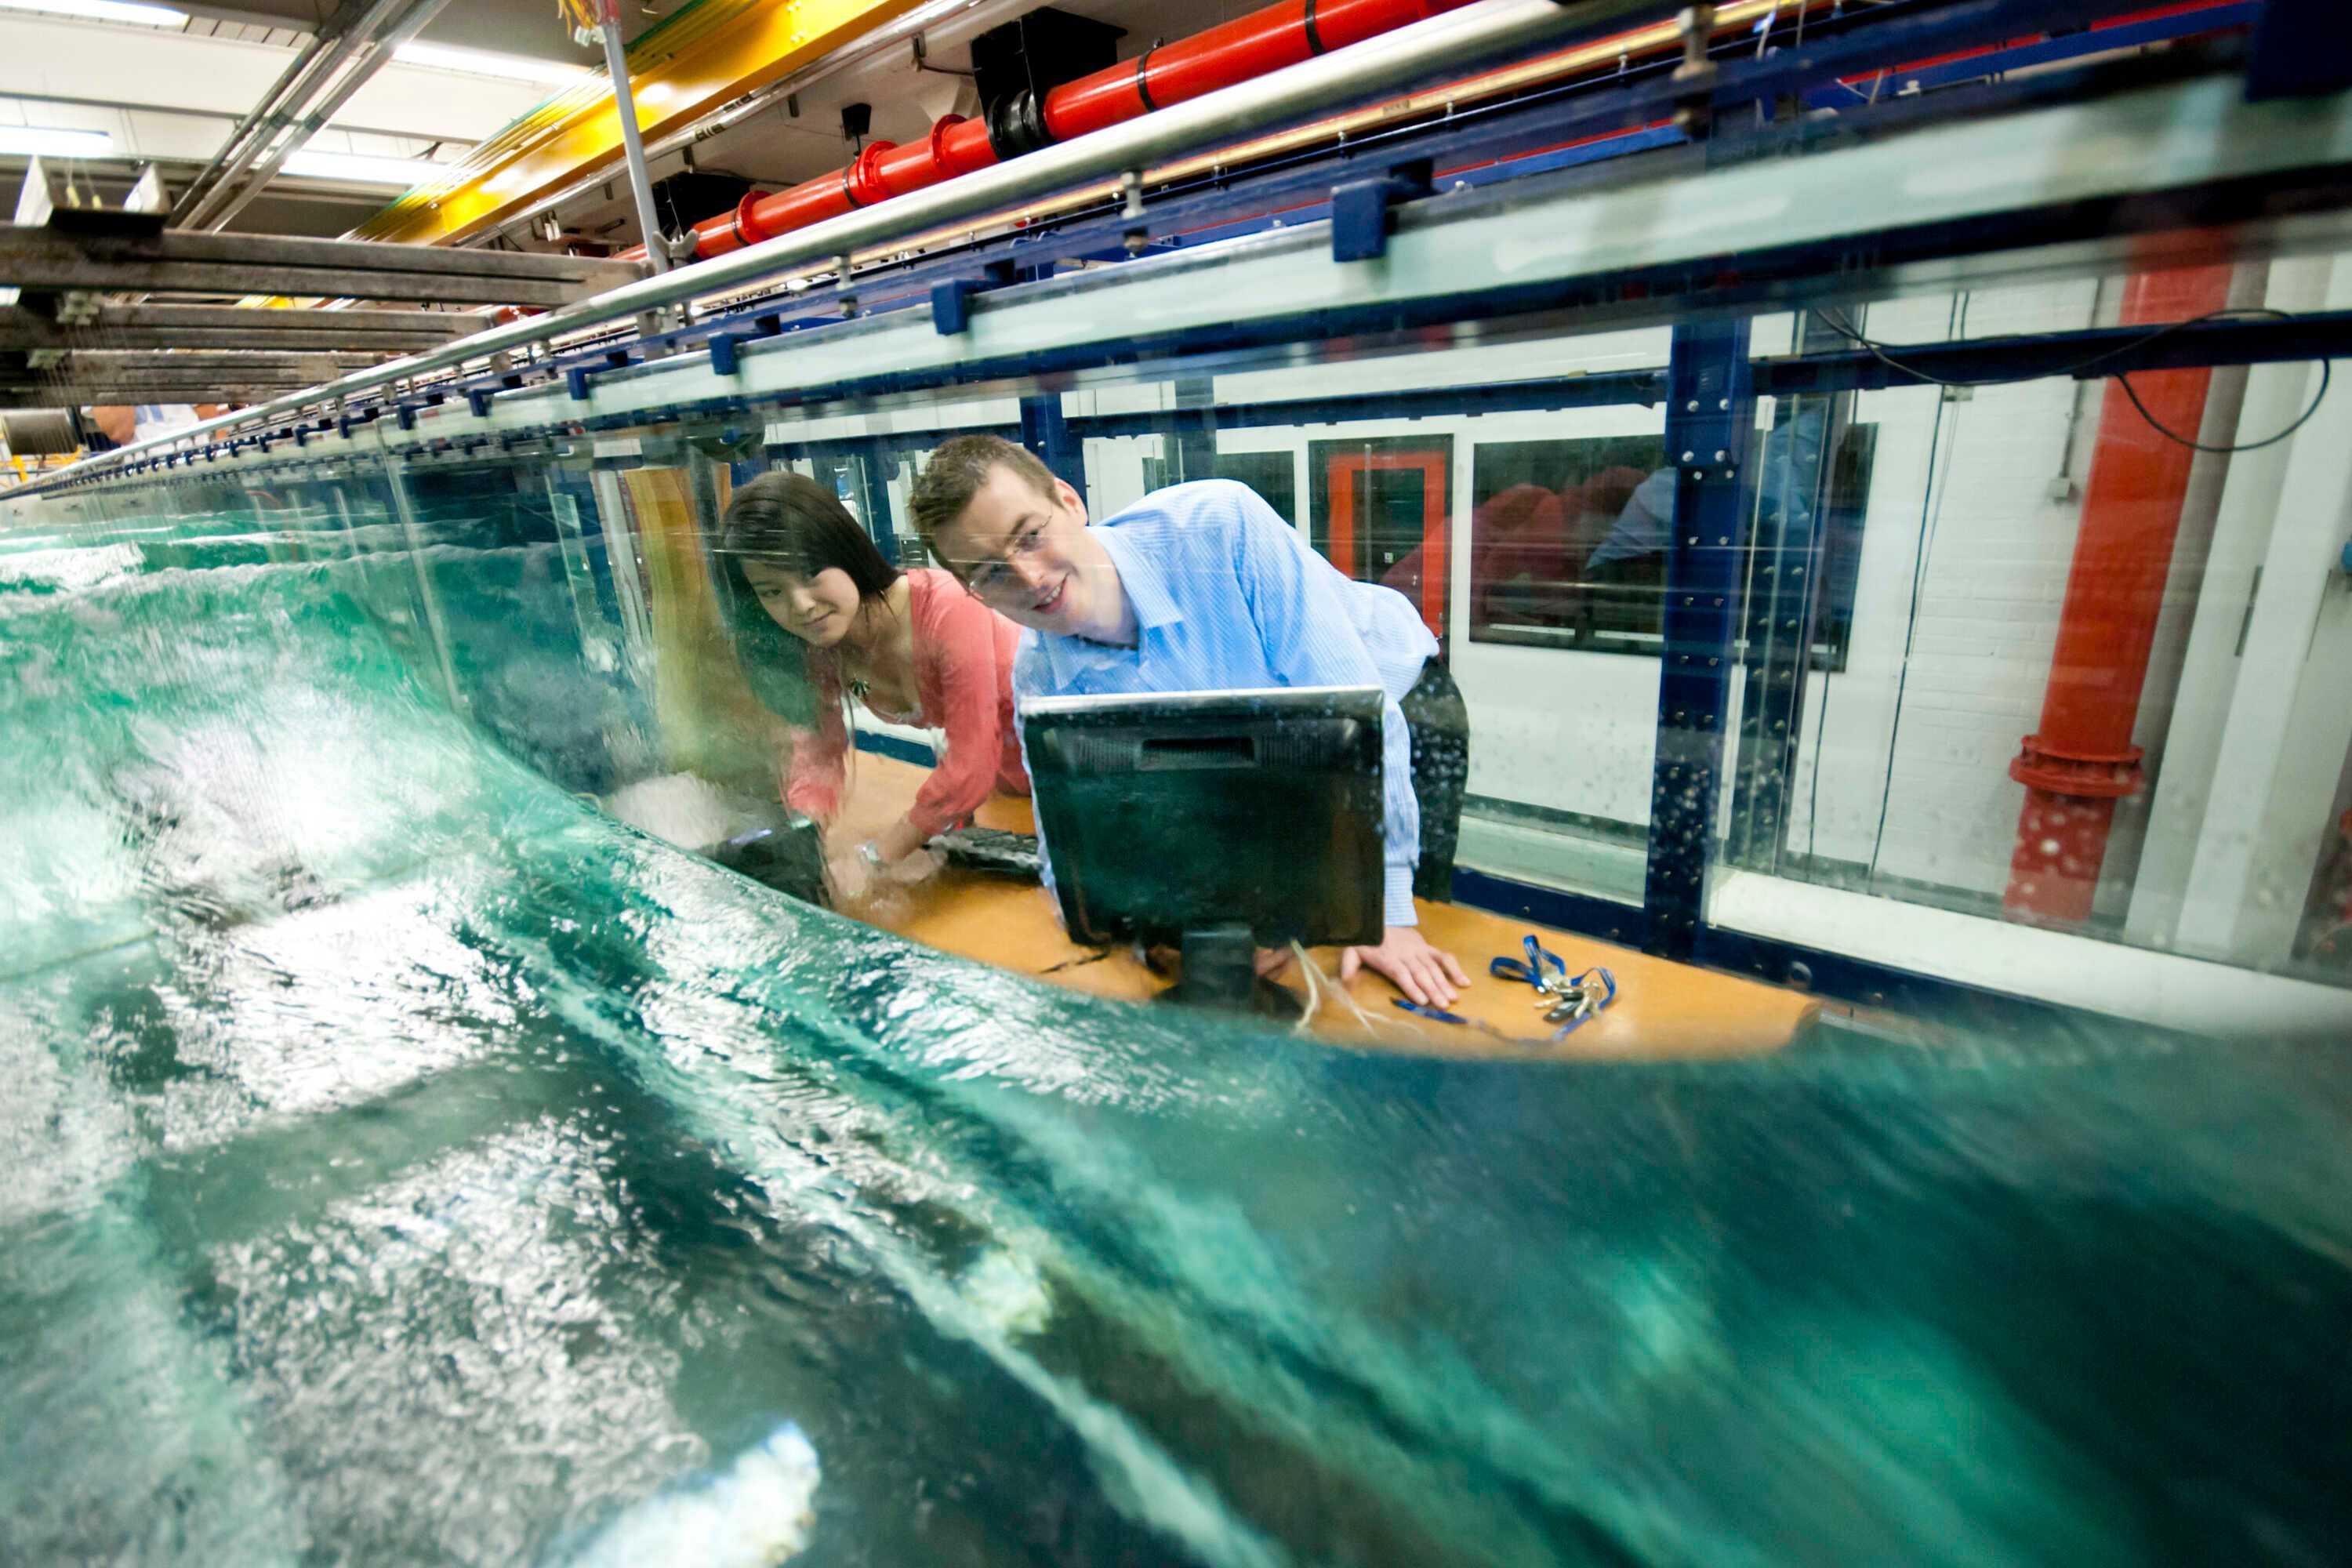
<point x="1565" y="1000"/>
<point x="1572" y="1001"/>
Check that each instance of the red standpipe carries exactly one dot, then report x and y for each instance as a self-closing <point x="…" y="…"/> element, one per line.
<point x="2081" y="760"/>
<point x="1281" y="34"/>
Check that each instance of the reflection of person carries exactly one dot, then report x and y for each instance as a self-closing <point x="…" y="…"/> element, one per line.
<point x="1642" y="527"/>
<point x="913" y="647"/>
<point x="107" y="426"/>
<point x="1197" y="587"/>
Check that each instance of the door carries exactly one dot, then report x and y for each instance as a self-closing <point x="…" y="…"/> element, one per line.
<point x="1381" y="513"/>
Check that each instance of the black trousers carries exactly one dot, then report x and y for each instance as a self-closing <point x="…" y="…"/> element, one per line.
<point x="1439" y="723"/>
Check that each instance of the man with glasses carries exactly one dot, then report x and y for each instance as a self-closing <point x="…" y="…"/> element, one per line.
<point x="1203" y="587"/>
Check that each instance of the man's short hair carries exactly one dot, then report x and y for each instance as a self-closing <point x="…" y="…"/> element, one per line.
<point x="956" y="470"/>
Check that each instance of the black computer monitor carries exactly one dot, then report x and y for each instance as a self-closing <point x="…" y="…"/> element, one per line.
<point x="1213" y="821"/>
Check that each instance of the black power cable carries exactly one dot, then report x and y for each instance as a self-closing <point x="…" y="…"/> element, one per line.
<point x="1878" y="351"/>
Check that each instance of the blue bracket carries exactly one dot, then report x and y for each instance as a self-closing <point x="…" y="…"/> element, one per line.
<point x="1360" y="209"/>
<point x="477" y="398"/>
<point x="2299" y="50"/>
<point x="406" y="413"/>
<point x="952" y="301"/>
<point x="952" y="306"/>
<point x="1710" y="425"/>
<point x="576" y="376"/>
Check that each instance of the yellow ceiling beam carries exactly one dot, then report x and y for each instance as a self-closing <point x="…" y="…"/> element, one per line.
<point x="701" y="58"/>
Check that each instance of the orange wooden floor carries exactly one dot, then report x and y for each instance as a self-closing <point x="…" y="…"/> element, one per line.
<point x="1664" y="1008"/>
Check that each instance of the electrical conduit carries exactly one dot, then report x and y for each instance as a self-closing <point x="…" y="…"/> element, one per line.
<point x="2081" y="760"/>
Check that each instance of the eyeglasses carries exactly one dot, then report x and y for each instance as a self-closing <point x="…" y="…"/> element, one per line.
<point x="993" y="573"/>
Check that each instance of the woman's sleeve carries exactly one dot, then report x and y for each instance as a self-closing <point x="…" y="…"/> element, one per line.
<point x="813" y="784"/>
<point x="963" y="648"/>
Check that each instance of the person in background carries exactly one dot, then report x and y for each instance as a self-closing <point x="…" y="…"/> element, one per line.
<point x="119" y="424"/>
<point x="913" y="647"/>
<point x="1197" y="587"/>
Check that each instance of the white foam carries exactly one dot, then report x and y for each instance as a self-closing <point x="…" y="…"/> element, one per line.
<point x="758" y="1514"/>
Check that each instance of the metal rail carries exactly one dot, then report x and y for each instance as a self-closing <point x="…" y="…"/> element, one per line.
<point x="1471" y="35"/>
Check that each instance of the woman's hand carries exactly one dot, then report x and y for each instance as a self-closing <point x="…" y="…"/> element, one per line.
<point x="848" y="877"/>
<point x="907" y="871"/>
<point x="1428" y="975"/>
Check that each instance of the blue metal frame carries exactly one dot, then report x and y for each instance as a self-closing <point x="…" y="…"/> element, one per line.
<point x="1710" y="381"/>
<point x="2298" y="50"/>
<point x="1596" y="118"/>
<point x="2052" y="51"/>
<point x="1710" y="428"/>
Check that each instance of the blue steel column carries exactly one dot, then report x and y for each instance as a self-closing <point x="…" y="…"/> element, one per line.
<point x="1710" y="421"/>
<point x="1045" y="432"/>
<point x="876" y="463"/>
<point x="1784" y="596"/>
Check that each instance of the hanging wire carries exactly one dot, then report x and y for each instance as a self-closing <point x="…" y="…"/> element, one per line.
<point x="1879" y="352"/>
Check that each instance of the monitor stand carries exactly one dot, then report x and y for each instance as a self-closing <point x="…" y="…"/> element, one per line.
<point x="1220" y="970"/>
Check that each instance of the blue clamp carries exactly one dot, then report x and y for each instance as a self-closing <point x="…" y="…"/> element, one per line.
<point x="1360" y="209"/>
<point x="477" y="398"/>
<point x="723" y="347"/>
<point x="952" y="306"/>
<point x="405" y="411"/>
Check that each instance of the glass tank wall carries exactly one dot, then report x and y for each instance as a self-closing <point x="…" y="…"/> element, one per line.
<point x="415" y="1157"/>
<point x="1921" y="578"/>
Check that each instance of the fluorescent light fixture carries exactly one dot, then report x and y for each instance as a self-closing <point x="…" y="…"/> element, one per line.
<point x="104" y="11"/>
<point x="360" y="169"/>
<point x="486" y="62"/>
<point x="41" y="141"/>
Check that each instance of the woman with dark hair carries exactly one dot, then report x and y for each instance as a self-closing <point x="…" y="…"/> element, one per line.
<point x="913" y="647"/>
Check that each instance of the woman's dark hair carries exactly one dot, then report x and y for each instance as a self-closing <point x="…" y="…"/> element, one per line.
<point x="789" y="521"/>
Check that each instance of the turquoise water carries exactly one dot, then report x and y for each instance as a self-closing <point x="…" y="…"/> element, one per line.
<point x="406" y="1162"/>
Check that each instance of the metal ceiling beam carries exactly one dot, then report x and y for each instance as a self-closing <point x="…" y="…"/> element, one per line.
<point x="701" y="59"/>
<point x="179" y="361"/>
<point x="229" y="327"/>
<point x="333" y="41"/>
<point x="189" y="263"/>
<point x="17" y="395"/>
<point x="356" y="324"/>
<point x="224" y="203"/>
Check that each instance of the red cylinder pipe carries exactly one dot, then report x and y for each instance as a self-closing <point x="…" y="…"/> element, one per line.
<point x="1281" y="34"/>
<point x="1266" y="40"/>
<point x="2081" y="760"/>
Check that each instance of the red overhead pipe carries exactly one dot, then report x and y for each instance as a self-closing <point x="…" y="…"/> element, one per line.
<point x="2081" y="760"/>
<point x="1283" y="34"/>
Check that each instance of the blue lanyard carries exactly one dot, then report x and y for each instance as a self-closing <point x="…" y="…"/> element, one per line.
<point x="1546" y="972"/>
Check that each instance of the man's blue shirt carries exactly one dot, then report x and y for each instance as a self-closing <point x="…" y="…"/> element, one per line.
<point x="1228" y="597"/>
